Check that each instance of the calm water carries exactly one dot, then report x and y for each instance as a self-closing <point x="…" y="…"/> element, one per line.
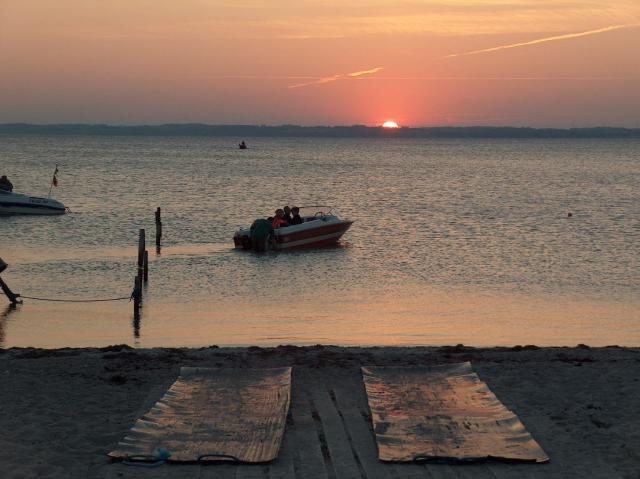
<point x="455" y="241"/>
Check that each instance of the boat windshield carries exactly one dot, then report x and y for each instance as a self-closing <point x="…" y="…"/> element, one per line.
<point x="315" y="211"/>
<point x="309" y="213"/>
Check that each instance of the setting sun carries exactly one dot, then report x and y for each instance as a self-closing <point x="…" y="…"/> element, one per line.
<point x="390" y="124"/>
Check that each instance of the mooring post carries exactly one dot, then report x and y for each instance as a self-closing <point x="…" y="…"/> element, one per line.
<point x="158" y="229"/>
<point x="137" y="297"/>
<point x="141" y="248"/>
<point x="14" y="298"/>
<point x="146" y="266"/>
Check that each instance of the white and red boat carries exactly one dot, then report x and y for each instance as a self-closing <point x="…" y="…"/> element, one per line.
<point x="319" y="229"/>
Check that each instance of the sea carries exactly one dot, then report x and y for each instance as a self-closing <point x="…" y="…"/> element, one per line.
<point x="484" y="242"/>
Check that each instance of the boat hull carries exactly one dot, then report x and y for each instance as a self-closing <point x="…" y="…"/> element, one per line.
<point x="16" y="204"/>
<point x="324" y="235"/>
<point x="314" y="233"/>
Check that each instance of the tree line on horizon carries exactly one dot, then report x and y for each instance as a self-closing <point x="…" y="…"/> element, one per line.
<point x="354" y="131"/>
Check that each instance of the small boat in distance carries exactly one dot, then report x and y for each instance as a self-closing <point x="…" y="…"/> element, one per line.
<point x="242" y="145"/>
<point x="316" y="230"/>
<point x="17" y="204"/>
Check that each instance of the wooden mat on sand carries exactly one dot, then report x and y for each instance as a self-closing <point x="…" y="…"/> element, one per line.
<point x="443" y="414"/>
<point x="209" y="414"/>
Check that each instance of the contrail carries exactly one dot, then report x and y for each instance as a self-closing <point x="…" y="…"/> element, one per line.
<point x="365" y="72"/>
<point x="544" y="40"/>
<point x="337" y="77"/>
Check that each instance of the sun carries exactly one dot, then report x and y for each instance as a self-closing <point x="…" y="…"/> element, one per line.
<point x="390" y="124"/>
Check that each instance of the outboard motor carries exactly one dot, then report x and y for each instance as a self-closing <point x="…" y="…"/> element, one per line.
<point x="261" y="234"/>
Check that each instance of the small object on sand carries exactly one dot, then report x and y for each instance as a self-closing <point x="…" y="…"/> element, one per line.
<point x="161" y="453"/>
<point x="157" y="458"/>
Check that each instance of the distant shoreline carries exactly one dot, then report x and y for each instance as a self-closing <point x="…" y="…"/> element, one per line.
<point x="294" y="131"/>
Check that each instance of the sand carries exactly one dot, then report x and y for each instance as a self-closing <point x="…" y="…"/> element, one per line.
<point x="62" y="410"/>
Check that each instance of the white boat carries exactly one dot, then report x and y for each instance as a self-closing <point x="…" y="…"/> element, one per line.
<point x="17" y="204"/>
<point x="319" y="229"/>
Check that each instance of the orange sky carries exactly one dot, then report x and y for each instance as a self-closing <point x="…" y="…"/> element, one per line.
<point x="567" y="63"/>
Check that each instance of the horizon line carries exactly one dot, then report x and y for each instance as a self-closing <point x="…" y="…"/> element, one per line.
<point x="281" y="125"/>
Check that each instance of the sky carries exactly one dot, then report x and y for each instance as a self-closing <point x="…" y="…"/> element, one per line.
<point x="541" y="63"/>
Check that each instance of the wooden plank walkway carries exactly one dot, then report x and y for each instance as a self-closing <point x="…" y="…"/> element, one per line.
<point x="329" y="435"/>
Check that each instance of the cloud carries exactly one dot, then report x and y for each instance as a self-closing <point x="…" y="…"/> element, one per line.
<point x="545" y="40"/>
<point x="331" y="78"/>
<point x="365" y="72"/>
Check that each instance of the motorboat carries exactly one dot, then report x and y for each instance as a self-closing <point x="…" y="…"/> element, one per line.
<point x="17" y="204"/>
<point x="316" y="230"/>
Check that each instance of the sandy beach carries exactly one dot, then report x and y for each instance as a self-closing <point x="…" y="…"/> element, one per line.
<point x="63" y="410"/>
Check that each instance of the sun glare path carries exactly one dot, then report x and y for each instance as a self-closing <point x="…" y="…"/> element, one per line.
<point x="390" y="124"/>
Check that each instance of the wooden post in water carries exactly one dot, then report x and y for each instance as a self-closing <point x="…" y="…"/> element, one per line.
<point x="158" y="230"/>
<point x="13" y="297"/>
<point x="137" y="297"/>
<point x="141" y="249"/>
<point x="146" y="266"/>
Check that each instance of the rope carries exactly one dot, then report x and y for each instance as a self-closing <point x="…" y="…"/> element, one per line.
<point x="76" y="300"/>
<point x="144" y="460"/>
<point x="215" y="457"/>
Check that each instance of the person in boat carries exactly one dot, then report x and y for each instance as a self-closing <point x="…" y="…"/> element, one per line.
<point x="287" y="214"/>
<point x="5" y="184"/>
<point x="295" y="219"/>
<point x="243" y="145"/>
<point x="279" y="221"/>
